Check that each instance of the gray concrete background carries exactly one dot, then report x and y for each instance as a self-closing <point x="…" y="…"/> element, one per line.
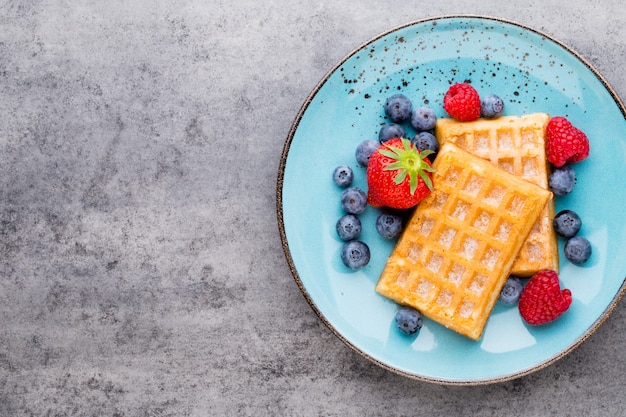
<point x="141" y="271"/>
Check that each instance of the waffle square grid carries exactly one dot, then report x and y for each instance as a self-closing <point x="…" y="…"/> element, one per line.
<point x="517" y="145"/>
<point x="460" y="244"/>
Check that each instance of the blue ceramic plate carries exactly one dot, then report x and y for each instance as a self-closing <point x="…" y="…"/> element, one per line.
<point x="533" y="73"/>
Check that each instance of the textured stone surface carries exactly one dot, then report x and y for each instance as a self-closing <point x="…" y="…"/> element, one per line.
<point x="141" y="271"/>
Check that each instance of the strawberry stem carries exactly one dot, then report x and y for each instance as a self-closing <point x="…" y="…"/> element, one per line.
<point x="408" y="161"/>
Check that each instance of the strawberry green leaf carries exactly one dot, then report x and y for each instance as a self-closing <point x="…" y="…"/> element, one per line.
<point x="390" y="152"/>
<point x="408" y="161"/>
<point x="426" y="180"/>
<point x="400" y="177"/>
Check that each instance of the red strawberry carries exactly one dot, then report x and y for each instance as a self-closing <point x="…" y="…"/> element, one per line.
<point x="564" y="142"/>
<point x="398" y="175"/>
<point x="462" y="102"/>
<point x="542" y="299"/>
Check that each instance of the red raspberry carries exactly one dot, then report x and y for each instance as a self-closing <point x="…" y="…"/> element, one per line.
<point x="564" y="142"/>
<point x="462" y="102"/>
<point x="542" y="299"/>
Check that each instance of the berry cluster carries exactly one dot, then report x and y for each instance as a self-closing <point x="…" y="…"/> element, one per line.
<point x="463" y="103"/>
<point x="566" y="145"/>
<point x="400" y="111"/>
<point x="355" y="254"/>
<point x="542" y="300"/>
<point x="398" y="179"/>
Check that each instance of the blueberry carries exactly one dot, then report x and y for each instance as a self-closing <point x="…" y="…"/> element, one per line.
<point x="353" y="200"/>
<point x="426" y="141"/>
<point x="364" y="150"/>
<point x="423" y="119"/>
<point x="562" y="180"/>
<point x="511" y="291"/>
<point x="388" y="225"/>
<point x="408" y="320"/>
<point x="491" y="106"/>
<point x="566" y="223"/>
<point x="343" y="175"/>
<point x="348" y="227"/>
<point x="577" y="249"/>
<point x="390" y="131"/>
<point x="399" y="108"/>
<point x="355" y="254"/>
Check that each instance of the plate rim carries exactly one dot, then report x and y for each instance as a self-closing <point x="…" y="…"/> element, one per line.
<point x="285" y="244"/>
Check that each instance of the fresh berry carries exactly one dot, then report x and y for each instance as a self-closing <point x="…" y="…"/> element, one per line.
<point x="491" y="106"/>
<point x="562" y="180"/>
<point x="565" y="143"/>
<point x="355" y="254"/>
<point x="390" y="131"/>
<point x="343" y="175"/>
<point x="348" y="227"/>
<point x="462" y="102"/>
<point x="426" y="141"/>
<point x="542" y="299"/>
<point x="353" y="200"/>
<point x="577" y="250"/>
<point x="423" y="119"/>
<point x="511" y="291"/>
<point x="389" y="225"/>
<point x="399" y="108"/>
<point x="364" y="150"/>
<point x="566" y="223"/>
<point x="398" y="175"/>
<point x="408" y="320"/>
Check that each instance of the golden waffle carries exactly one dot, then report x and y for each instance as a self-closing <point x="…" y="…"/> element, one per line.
<point x="517" y="145"/>
<point x="458" y="248"/>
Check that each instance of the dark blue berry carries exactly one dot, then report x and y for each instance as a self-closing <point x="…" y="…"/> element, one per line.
<point x="562" y="180"/>
<point x="364" y="150"/>
<point x="511" y="291"/>
<point x="390" y="131"/>
<point x="348" y="227"/>
<point x="408" y="320"/>
<point x="343" y="175"/>
<point x="354" y="200"/>
<point x="399" y="108"/>
<point x="426" y="141"/>
<point x="388" y="225"/>
<point x="577" y="249"/>
<point x="566" y="223"/>
<point x="491" y="106"/>
<point x="423" y="119"/>
<point x="355" y="254"/>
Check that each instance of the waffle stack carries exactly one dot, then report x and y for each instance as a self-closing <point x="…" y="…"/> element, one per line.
<point x="459" y="246"/>
<point x="517" y="145"/>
